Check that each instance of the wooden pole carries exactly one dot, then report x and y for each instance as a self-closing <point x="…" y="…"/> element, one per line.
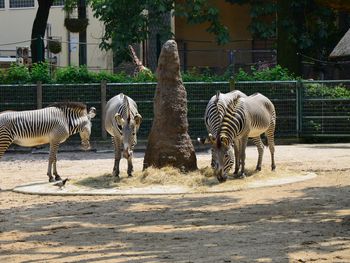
<point x="103" y="108"/>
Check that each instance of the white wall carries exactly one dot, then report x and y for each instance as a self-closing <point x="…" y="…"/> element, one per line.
<point x="16" y="26"/>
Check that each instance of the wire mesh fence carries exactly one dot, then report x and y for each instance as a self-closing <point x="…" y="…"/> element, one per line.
<point x="308" y="108"/>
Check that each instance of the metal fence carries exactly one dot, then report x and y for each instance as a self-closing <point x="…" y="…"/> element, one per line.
<point x="307" y="108"/>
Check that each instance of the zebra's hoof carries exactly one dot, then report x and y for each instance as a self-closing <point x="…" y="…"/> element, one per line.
<point x="129" y="175"/>
<point x="58" y="178"/>
<point x="242" y="176"/>
<point x="258" y="169"/>
<point x="51" y="180"/>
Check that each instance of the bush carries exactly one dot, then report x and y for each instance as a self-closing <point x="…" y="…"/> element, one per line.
<point x="318" y="90"/>
<point x="267" y="74"/>
<point x="74" y="74"/>
<point x="40" y="72"/>
<point x="17" y="74"/>
<point x="2" y="76"/>
<point x="203" y="75"/>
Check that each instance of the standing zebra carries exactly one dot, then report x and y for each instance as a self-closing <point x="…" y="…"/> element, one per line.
<point x="52" y="125"/>
<point x="246" y="117"/>
<point x="214" y="113"/>
<point x="122" y="122"/>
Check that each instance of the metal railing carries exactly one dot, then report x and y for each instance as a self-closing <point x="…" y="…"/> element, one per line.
<point x="304" y="108"/>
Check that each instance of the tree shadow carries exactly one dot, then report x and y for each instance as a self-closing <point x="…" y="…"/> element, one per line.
<point x="169" y="229"/>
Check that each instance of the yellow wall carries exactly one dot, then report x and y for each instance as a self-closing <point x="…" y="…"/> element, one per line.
<point x="205" y="51"/>
<point x="16" y="26"/>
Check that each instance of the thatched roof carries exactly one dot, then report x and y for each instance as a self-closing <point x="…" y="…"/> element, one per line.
<point x="342" y="49"/>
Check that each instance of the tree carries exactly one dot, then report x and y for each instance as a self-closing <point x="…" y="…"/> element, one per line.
<point x="303" y="27"/>
<point x="136" y="18"/>
<point x="38" y="30"/>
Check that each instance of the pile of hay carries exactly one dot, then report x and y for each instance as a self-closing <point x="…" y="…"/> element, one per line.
<point x="201" y="180"/>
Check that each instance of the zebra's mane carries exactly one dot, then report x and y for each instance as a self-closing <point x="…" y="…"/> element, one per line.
<point x="233" y="103"/>
<point x="71" y="105"/>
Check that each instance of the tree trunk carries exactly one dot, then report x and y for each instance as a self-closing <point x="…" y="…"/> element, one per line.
<point x="287" y="51"/>
<point x="82" y="35"/>
<point x="169" y="143"/>
<point x="38" y="30"/>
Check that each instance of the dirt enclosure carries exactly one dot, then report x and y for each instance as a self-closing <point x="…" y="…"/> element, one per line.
<point x="307" y="221"/>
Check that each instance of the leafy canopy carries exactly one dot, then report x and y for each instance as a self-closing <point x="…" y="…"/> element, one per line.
<point x="130" y="21"/>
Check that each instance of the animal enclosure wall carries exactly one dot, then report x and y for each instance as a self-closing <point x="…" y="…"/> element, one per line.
<point x="307" y="108"/>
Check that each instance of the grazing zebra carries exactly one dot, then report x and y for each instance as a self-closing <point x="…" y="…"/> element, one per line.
<point x="52" y="125"/>
<point x="122" y="123"/>
<point x="246" y="117"/>
<point x="213" y="116"/>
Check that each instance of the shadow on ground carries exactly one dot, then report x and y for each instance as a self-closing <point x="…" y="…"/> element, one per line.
<point x="183" y="228"/>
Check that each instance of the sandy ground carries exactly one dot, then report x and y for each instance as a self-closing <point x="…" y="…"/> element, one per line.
<point x="307" y="221"/>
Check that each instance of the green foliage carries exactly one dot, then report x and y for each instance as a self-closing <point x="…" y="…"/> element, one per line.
<point x="73" y="74"/>
<point x="136" y="18"/>
<point x="267" y="74"/>
<point x="17" y="74"/>
<point x="145" y="76"/>
<point x="310" y="25"/>
<point x="40" y="72"/>
<point x="203" y="75"/>
<point x="322" y="91"/>
<point x="201" y="11"/>
<point x="2" y="76"/>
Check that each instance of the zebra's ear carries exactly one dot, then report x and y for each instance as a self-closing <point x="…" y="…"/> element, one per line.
<point x="224" y="141"/>
<point x="217" y="96"/>
<point x="92" y="113"/>
<point x="119" y="119"/>
<point x="211" y="138"/>
<point x="138" y="120"/>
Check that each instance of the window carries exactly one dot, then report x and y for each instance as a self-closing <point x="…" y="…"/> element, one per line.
<point x="21" y="3"/>
<point x="58" y="3"/>
<point x="2" y="4"/>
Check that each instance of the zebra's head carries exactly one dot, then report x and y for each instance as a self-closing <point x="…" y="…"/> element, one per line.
<point x="129" y="127"/>
<point x="223" y="157"/>
<point x="85" y="130"/>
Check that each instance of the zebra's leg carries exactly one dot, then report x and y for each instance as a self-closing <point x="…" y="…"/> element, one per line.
<point x="243" y="147"/>
<point x="259" y="144"/>
<point x="236" y="147"/>
<point x="52" y="162"/>
<point x="213" y="158"/>
<point x="5" y="142"/>
<point x="271" y="142"/>
<point x="130" y="166"/>
<point x="117" y="156"/>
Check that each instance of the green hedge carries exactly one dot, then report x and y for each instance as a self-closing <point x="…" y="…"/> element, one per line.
<point x="17" y="74"/>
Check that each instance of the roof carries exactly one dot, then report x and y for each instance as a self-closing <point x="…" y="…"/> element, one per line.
<point x="342" y="49"/>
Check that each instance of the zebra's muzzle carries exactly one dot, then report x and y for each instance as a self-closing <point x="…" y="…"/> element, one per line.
<point x="222" y="177"/>
<point x="85" y="145"/>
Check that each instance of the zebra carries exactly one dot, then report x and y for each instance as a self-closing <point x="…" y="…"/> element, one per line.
<point x="52" y="125"/>
<point x="213" y="116"/>
<point x="122" y="121"/>
<point x="246" y="117"/>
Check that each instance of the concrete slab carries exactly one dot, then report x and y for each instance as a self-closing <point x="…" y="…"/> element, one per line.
<point x="45" y="188"/>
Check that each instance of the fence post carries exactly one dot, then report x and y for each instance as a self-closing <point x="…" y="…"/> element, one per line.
<point x="185" y="57"/>
<point x="103" y="108"/>
<point x="232" y="84"/>
<point x="299" y="107"/>
<point x="39" y="95"/>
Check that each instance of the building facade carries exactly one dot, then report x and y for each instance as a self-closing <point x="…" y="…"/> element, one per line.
<point x="16" y="22"/>
<point x="197" y="47"/>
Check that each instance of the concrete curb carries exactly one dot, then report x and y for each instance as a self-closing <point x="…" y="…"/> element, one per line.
<point x="44" y="188"/>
